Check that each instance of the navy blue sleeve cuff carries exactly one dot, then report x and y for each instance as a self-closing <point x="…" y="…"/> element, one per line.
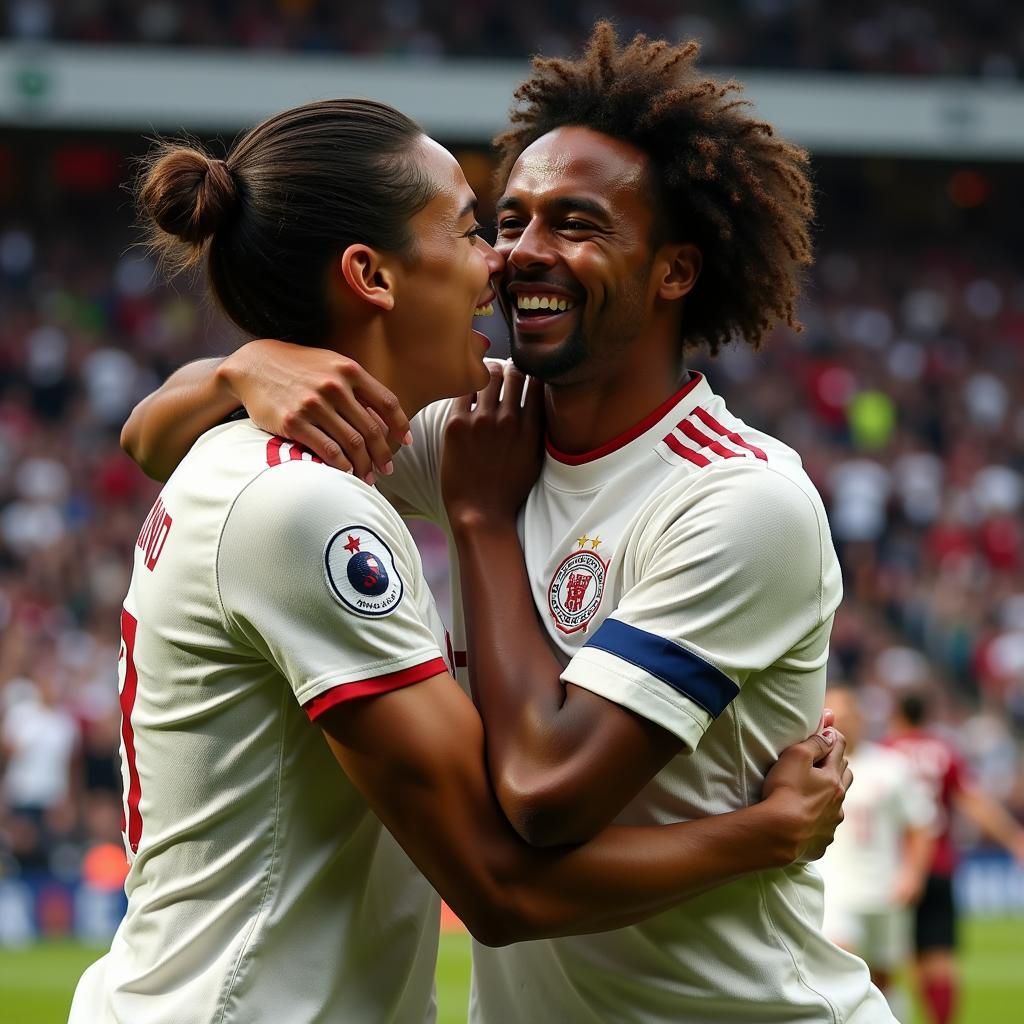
<point x="686" y="673"/>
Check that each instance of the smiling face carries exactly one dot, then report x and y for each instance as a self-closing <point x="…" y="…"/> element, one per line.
<point x="441" y="285"/>
<point x="575" y="225"/>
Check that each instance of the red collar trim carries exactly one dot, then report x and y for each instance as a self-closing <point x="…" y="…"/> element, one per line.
<point x="630" y="435"/>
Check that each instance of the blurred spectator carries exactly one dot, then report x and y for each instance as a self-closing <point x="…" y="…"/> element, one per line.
<point x="984" y="38"/>
<point x="38" y="740"/>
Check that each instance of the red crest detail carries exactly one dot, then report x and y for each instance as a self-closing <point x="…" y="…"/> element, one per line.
<point x="576" y="590"/>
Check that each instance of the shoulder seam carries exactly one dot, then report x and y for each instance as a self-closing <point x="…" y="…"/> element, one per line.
<point x="228" y="624"/>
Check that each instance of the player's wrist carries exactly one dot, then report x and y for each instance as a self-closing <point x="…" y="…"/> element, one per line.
<point x="774" y="830"/>
<point x="229" y="373"/>
<point x="793" y="835"/>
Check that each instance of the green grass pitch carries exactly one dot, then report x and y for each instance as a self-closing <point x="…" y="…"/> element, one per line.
<point x="36" y="983"/>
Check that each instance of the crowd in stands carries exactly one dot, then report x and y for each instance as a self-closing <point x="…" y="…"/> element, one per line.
<point x="904" y="394"/>
<point x="984" y="38"/>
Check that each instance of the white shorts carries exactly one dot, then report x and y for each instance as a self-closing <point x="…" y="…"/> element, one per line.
<point x="879" y="937"/>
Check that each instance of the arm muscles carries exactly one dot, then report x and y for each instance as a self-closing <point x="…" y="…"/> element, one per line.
<point x="416" y="754"/>
<point x="165" y="424"/>
<point x="564" y="761"/>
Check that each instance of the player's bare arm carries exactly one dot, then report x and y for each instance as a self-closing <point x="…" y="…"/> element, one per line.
<point x="417" y="755"/>
<point x="319" y="398"/>
<point x="564" y="761"/>
<point x="992" y="818"/>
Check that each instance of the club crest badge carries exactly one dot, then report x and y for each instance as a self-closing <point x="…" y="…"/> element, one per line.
<point x="576" y="589"/>
<point x="361" y="572"/>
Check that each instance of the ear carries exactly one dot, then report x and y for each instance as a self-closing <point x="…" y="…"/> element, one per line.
<point x="368" y="276"/>
<point x="678" y="268"/>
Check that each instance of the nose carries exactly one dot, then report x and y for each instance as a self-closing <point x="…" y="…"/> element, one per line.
<point x="495" y="260"/>
<point x="530" y="250"/>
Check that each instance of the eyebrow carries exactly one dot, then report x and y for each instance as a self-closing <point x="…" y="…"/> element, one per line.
<point x="470" y="207"/>
<point x="562" y="204"/>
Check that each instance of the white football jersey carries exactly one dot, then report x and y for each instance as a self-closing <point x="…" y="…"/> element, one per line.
<point x="861" y="866"/>
<point x="266" y="588"/>
<point x="686" y="572"/>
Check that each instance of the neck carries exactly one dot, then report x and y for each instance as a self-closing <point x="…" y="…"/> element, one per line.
<point x="586" y="415"/>
<point x="367" y="346"/>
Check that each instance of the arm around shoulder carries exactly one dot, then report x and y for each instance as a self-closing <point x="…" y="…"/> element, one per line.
<point x="165" y="424"/>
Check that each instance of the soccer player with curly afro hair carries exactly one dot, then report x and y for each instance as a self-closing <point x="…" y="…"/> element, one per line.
<point x="718" y="177"/>
<point x="678" y="559"/>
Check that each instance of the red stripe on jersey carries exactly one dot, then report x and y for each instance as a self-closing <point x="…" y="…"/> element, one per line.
<point x="451" y="651"/>
<point x="709" y="421"/>
<point x="462" y="659"/>
<point x="129" y="626"/>
<point x="298" y="452"/>
<point x="371" y="687"/>
<point x="687" y="453"/>
<point x="295" y="452"/>
<point x="708" y="442"/>
<point x="630" y="435"/>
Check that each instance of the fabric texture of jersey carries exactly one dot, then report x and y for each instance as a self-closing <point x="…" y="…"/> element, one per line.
<point x="262" y="888"/>
<point x="685" y="572"/>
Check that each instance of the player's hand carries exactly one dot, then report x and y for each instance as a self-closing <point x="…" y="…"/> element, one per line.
<point x="321" y="399"/>
<point x="807" y="786"/>
<point x="493" y="448"/>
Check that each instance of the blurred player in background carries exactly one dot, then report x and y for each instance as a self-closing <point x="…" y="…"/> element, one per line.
<point x="942" y="769"/>
<point x="680" y="561"/>
<point x="875" y="870"/>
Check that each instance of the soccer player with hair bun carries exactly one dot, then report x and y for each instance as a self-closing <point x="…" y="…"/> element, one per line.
<point x="679" y="560"/>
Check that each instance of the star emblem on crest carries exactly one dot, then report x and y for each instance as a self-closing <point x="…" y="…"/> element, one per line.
<point x="353" y="544"/>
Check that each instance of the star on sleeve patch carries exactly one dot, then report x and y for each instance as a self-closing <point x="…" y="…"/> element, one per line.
<point x="361" y="572"/>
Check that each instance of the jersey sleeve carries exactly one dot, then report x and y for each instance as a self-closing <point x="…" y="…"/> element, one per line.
<point x="728" y="582"/>
<point x="414" y="488"/>
<point x="318" y="576"/>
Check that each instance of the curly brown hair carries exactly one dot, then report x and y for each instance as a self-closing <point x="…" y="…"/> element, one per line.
<point x="725" y="181"/>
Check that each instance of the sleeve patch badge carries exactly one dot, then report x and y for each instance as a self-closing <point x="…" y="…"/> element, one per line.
<point x="576" y="588"/>
<point x="361" y="572"/>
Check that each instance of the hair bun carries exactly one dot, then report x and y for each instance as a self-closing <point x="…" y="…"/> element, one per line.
<point x="187" y="194"/>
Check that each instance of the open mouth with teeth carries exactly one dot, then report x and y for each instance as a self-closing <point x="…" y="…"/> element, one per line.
<point x="486" y="309"/>
<point x="530" y="306"/>
<point x="539" y="313"/>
